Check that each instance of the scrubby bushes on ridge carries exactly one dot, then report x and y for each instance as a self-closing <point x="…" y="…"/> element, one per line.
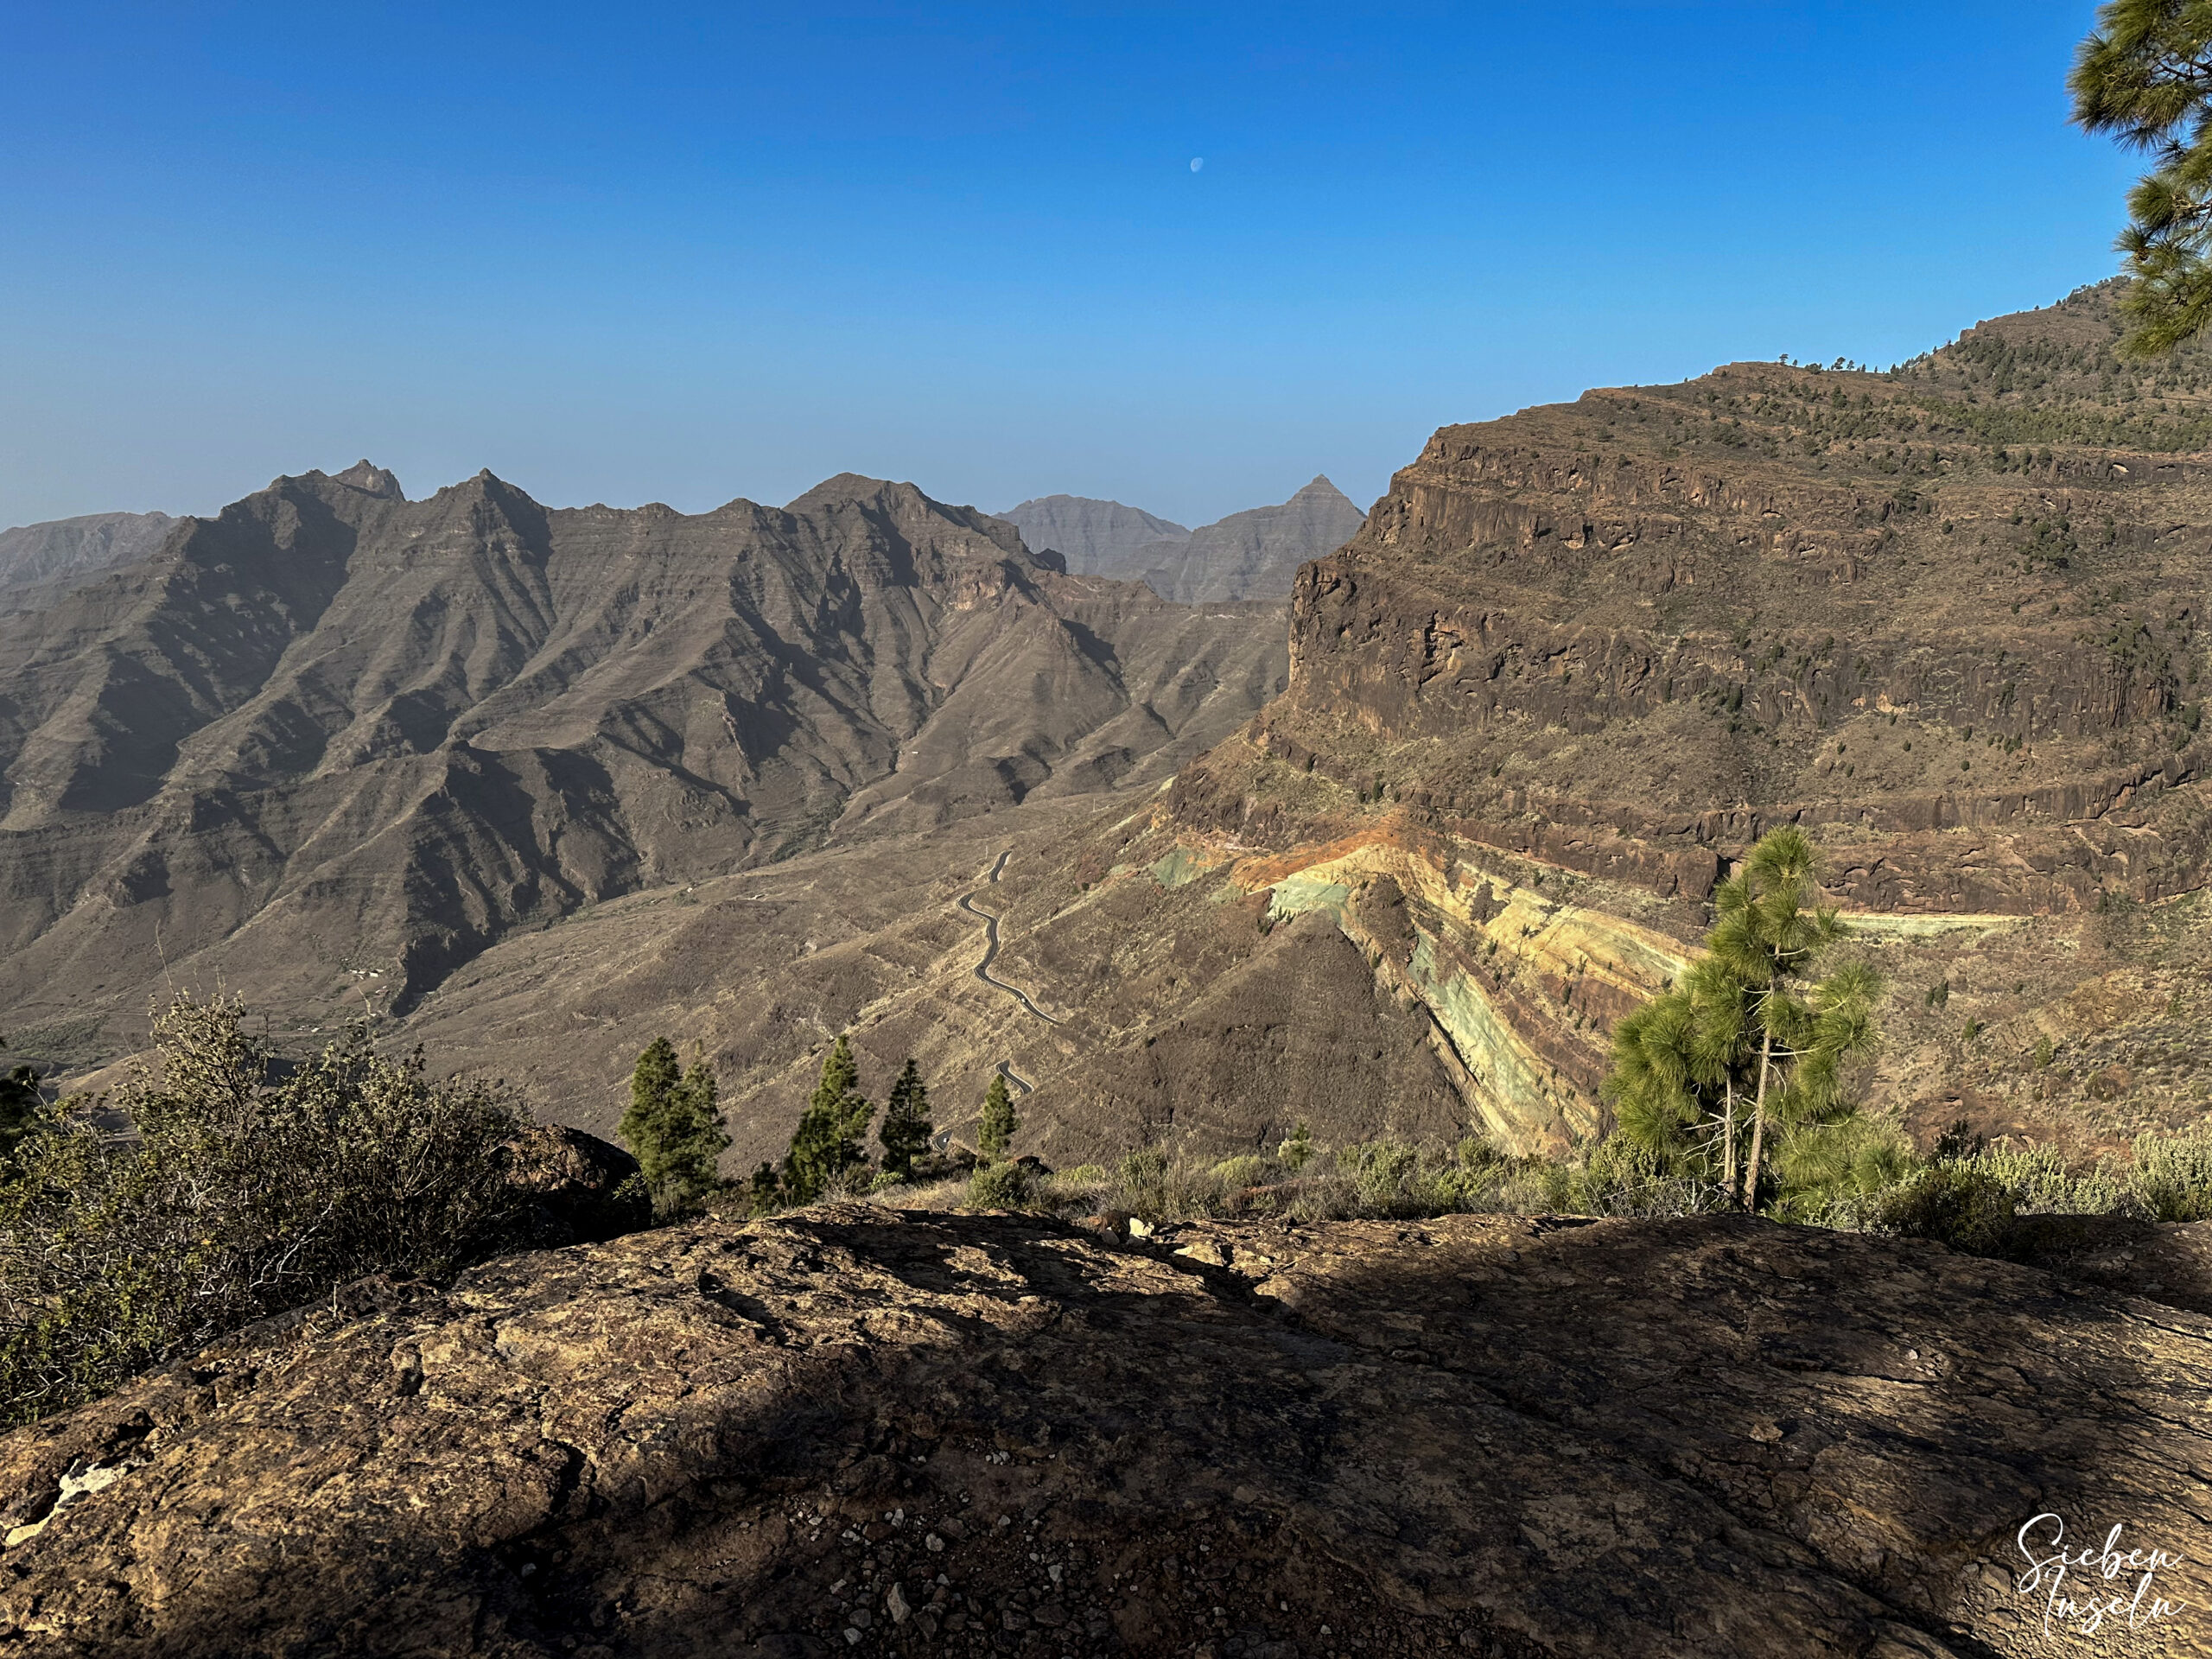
<point x="1971" y="1197"/>
<point x="242" y="1193"/>
<point x="1858" y="1175"/>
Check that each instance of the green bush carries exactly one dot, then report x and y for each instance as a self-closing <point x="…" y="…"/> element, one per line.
<point x="1382" y="1173"/>
<point x="2171" y="1175"/>
<point x="2042" y="1183"/>
<point x="1140" y="1184"/>
<point x="1075" y="1192"/>
<point x="1953" y="1204"/>
<point x="1623" y="1177"/>
<point x="244" y="1194"/>
<point x="1248" y="1170"/>
<point x="999" y="1186"/>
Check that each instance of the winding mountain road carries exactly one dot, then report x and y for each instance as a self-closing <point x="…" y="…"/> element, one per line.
<point x="983" y="971"/>
<point x="991" y="947"/>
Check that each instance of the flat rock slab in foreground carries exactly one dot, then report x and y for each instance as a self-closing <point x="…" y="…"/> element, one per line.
<point x="851" y="1431"/>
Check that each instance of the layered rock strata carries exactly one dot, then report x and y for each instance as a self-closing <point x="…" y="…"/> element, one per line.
<point x="1948" y="618"/>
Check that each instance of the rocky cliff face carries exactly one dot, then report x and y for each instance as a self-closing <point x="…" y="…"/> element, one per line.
<point x="39" y="563"/>
<point x="850" y="1431"/>
<point x="1680" y="615"/>
<point x="1252" y="555"/>
<point x="333" y="742"/>
<point x="1949" y="618"/>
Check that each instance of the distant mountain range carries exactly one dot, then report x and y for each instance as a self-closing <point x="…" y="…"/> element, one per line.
<point x="1251" y="555"/>
<point x="47" y="560"/>
<point x="1096" y="539"/>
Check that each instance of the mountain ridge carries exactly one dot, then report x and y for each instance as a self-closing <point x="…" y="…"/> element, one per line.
<point x="1252" y="555"/>
<point x="1095" y="536"/>
<point x="403" y="728"/>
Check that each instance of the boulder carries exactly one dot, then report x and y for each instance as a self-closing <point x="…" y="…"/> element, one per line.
<point x="578" y="1188"/>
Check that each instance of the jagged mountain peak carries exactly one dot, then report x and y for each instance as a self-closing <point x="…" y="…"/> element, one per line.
<point x="648" y="695"/>
<point x="365" y="474"/>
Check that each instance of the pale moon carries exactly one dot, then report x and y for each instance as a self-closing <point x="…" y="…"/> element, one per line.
<point x="1196" y="161"/>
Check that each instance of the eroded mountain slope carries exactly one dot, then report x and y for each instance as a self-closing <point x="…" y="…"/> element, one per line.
<point x="1949" y="619"/>
<point x="39" y="563"/>
<point x="333" y="741"/>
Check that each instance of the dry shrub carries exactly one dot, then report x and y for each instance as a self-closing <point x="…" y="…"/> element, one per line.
<point x="241" y="1194"/>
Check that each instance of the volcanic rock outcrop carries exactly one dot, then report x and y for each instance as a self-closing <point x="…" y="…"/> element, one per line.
<point x="1949" y="619"/>
<point x="853" y="1431"/>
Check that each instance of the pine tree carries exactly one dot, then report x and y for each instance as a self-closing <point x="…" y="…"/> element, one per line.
<point x="653" y="1083"/>
<point x="1681" y="1073"/>
<point x="995" y="1132"/>
<point x="2144" y="76"/>
<point x="905" y="1131"/>
<point x="1770" y="932"/>
<point x="765" y="1191"/>
<point x="1750" y="1040"/>
<point x="700" y="1138"/>
<point x="674" y="1128"/>
<point x="827" y="1142"/>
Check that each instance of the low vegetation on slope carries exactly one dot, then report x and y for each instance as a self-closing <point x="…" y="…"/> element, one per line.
<point x="246" y="1187"/>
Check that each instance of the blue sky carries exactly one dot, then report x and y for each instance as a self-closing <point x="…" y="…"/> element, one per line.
<point x="684" y="252"/>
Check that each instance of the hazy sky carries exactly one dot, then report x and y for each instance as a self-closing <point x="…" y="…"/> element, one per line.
<point x="684" y="252"/>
